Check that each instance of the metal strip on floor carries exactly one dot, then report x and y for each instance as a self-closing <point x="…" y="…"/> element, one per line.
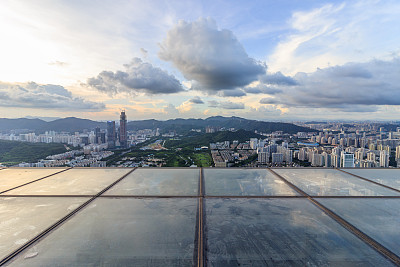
<point x="351" y="228"/>
<point x="59" y="222"/>
<point x="200" y="245"/>
<point x="368" y="180"/>
<point x="35" y="180"/>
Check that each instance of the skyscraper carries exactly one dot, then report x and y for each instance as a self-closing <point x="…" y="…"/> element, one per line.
<point x="97" y="138"/>
<point x="111" y="134"/>
<point x="384" y="159"/>
<point x="123" y="137"/>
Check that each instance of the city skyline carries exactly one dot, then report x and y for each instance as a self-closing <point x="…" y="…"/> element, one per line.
<point x="262" y="60"/>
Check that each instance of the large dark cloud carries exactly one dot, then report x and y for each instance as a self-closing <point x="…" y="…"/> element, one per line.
<point x="351" y="87"/>
<point x="225" y="104"/>
<point x="213" y="58"/>
<point x="48" y="96"/>
<point x="138" y="77"/>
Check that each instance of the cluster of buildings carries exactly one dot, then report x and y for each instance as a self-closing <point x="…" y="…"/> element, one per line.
<point x="89" y="156"/>
<point x="228" y="158"/>
<point x="213" y="129"/>
<point x="272" y="154"/>
<point x="359" y="149"/>
<point x="339" y="156"/>
<point x="367" y="147"/>
<point x="268" y="153"/>
<point x="113" y="137"/>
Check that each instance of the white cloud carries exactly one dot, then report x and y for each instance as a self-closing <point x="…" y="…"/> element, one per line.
<point x="334" y="34"/>
<point x="213" y="58"/>
<point x="139" y="77"/>
<point x="353" y="87"/>
<point x="48" y="96"/>
<point x="225" y="104"/>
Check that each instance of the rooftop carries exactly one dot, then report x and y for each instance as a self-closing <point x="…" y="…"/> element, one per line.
<point x="199" y="217"/>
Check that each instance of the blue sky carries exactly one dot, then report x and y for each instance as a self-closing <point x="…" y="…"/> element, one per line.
<point x="266" y="60"/>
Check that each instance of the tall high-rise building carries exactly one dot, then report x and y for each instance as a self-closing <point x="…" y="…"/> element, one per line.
<point x="335" y="160"/>
<point x="384" y="159"/>
<point x="111" y="134"/>
<point x="97" y="134"/>
<point x="397" y="152"/>
<point x="253" y="143"/>
<point x="123" y="136"/>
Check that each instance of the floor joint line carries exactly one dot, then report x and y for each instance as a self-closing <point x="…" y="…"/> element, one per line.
<point x="59" y="222"/>
<point x="200" y="245"/>
<point x="35" y="180"/>
<point x="368" y="180"/>
<point x="348" y="226"/>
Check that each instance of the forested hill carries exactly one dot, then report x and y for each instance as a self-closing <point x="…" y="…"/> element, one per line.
<point x="218" y="121"/>
<point x="205" y="139"/>
<point x="70" y="124"/>
<point x="14" y="152"/>
<point x="179" y="125"/>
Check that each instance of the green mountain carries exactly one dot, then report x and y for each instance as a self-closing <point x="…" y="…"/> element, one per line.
<point x="181" y="126"/>
<point x="184" y="125"/>
<point x="198" y="140"/>
<point x="22" y="123"/>
<point x="14" y="152"/>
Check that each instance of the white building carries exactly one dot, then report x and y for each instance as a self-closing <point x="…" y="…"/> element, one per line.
<point x="384" y="159"/>
<point x="347" y="160"/>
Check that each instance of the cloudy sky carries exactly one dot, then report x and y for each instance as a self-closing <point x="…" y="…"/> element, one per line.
<point x="268" y="60"/>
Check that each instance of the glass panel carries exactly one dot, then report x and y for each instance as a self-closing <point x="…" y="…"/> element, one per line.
<point x="280" y="232"/>
<point x="378" y="218"/>
<point x="10" y="178"/>
<point x="159" y="182"/>
<point x="244" y="182"/>
<point x="328" y="182"/>
<point x="389" y="177"/>
<point x="23" y="218"/>
<point x="121" y="232"/>
<point x="72" y="182"/>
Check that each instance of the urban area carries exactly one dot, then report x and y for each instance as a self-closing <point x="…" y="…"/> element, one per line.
<point x="361" y="145"/>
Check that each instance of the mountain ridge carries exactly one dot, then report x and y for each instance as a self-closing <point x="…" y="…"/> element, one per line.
<point x="73" y="124"/>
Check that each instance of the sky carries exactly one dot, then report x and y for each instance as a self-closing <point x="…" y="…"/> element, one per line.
<point x="267" y="60"/>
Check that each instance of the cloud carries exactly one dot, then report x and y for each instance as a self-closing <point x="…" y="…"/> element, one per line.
<point x="58" y="63"/>
<point x="188" y="105"/>
<point x="270" y="113"/>
<point x="225" y="104"/>
<point x="268" y="101"/>
<point x="213" y="58"/>
<point x="213" y="104"/>
<point x="144" y="52"/>
<point x="277" y="79"/>
<point x="196" y="100"/>
<point x="262" y="89"/>
<point x="231" y="93"/>
<point x="139" y="77"/>
<point x="48" y="96"/>
<point x="171" y="110"/>
<point x="334" y="34"/>
<point x="351" y="87"/>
